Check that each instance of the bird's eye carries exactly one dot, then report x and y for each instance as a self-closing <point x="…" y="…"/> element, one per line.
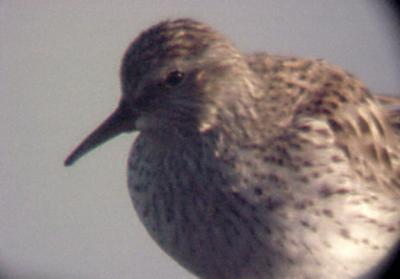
<point x="174" y="78"/>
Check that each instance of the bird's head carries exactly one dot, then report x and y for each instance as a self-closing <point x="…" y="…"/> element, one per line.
<point x="175" y="76"/>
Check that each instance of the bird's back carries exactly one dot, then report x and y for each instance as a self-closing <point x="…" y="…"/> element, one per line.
<point x="365" y="127"/>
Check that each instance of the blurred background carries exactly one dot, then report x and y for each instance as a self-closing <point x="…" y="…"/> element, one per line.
<point x="59" y="63"/>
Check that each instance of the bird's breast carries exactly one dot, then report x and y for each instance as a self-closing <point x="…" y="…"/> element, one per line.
<point x="222" y="221"/>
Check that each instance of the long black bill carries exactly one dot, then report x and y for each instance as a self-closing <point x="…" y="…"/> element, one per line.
<point x="121" y="120"/>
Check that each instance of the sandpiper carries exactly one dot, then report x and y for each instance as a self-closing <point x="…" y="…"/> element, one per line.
<point x="255" y="166"/>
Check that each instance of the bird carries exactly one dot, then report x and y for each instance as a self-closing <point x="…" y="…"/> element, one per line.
<point x="255" y="166"/>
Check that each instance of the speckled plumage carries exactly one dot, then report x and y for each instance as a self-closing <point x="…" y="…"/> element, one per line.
<point x="255" y="166"/>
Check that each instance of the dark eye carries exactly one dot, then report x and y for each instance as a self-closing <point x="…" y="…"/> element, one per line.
<point x="174" y="78"/>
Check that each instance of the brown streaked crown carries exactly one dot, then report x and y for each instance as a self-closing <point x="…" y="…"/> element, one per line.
<point x="168" y="40"/>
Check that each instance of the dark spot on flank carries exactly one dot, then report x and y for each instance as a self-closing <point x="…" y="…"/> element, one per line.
<point x="273" y="178"/>
<point x="386" y="158"/>
<point x="391" y="229"/>
<point x="372" y="151"/>
<point x="304" y="179"/>
<point x="395" y="182"/>
<point x="365" y="241"/>
<point x="363" y="124"/>
<point x="345" y="233"/>
<point x="328" y="213"/>
<point x="296" y="146"/>
<point x="282" y="151"/>
<point x="307" y="164"/>
<point x="258" y="191"/>
<point x="318" y="102"/>
<point x="316" y="174"/>
<point x="302" y="90"/>
<point x="307" y="225"/>
<point x="273" y="202"/>
<point x="304" y="223"/>
<point x="336" y="159"/>
<point x="328" y="84"/>
<point x="342" y="191"/>
<point x="305" y="128"/>
<point x="290" y="85"/>
<point x="345" y="149"/>
<point x="303" y="204"/>
<point x="335" y="126"/>
<point x="326" y="191"/>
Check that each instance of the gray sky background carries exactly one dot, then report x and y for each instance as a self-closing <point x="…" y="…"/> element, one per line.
<point x="59" y="63"/>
